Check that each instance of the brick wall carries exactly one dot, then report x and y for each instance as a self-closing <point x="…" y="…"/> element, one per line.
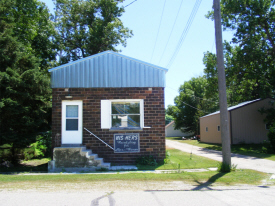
<point x="152" y="140"/>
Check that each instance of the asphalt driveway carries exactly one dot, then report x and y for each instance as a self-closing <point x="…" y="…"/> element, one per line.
<point x="242" y="161"/>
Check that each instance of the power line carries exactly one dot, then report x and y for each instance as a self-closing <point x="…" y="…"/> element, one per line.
<point x="130" y="3"/>
<point x="191" y="105"/>
<point x="171" y="32"/>
<point x="195" y="107"/>
<point x="158" y="31"/>
<point x="185" y="31"/>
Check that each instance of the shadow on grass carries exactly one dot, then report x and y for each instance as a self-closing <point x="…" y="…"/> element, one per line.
<point x="178" y="138"/>
<point x="253" y="150"/>
<point x="209" y="182"/>
<point x="149" y="167"/>
<point x="173" y="138"/>
<point x="261" y="150"/>
<point x="24" y="168"/>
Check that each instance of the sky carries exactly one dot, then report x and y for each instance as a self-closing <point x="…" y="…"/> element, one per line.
<point x="155" y="42"/>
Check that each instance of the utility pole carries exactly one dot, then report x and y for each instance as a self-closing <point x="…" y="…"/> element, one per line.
<point x="226" y="150"/>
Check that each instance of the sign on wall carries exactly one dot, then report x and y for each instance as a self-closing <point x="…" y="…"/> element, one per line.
<point x="126" y="143"/>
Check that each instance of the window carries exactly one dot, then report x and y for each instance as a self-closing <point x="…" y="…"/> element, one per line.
<point x="71" y="117"/>
<point x="206" y="129"/>
<point x="219" y="128"/>
<point x="122" y="114"/>
<point x="125" y="114"/>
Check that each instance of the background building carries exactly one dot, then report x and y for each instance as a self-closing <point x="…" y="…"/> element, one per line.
<point x="170" y="131"/>
<point x="246" y="123"/>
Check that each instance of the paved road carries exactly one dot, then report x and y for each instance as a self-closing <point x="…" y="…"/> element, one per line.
<point x="242" y="161"/>
<point x="225" y="196"/>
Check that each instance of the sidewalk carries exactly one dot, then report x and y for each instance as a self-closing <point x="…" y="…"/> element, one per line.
<point x="123" y="170"/>
<point x="242" y="161"/>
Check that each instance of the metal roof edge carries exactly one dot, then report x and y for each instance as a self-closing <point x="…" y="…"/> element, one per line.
<point x="238" y="106"/>
<point x="211" y="114"/>
<point x="250" y="102"/>
<point x="244" y="104"/>
<point x="108" y="52"/>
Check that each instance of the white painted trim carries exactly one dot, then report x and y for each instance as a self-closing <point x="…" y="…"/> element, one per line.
<point x="106" y="109"/>
<point x="141" y="113"/>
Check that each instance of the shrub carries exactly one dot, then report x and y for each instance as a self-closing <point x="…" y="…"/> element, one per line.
<point x="271" y="136"/>
<point x="167" y="157"/>
<point x="267" y="148"/>
<point x="146" y="160"/>
<point x="34" y="150"/>
<point x="40" y="148"/>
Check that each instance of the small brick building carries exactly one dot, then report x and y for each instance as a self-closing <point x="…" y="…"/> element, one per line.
<point x="110" y="95"/>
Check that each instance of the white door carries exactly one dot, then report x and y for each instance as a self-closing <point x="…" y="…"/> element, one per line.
<point x="72" y="122"/>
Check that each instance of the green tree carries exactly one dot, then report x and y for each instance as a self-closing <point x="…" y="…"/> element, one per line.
<point x="87" y="27"/>
<point x="168" y="118"/>
<point x="32" y="27"/>
<point x="270" y="121"/>
<point x="24" y="84"/>
<point x="250" y="60"/>
<point x="250" y="56"/>
<point x="190" y="105"/>
<point x="240" y="87"/>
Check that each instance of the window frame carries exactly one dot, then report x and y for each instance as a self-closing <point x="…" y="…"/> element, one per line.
<point x="106" y="114"/>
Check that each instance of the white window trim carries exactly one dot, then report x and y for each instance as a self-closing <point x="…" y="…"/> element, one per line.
<point x="106" y="110"/>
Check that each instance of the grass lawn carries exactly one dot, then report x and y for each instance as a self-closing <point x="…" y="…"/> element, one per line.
<point x="182" y="160"/>
<point x="178" y="160"/>
<point x="254" y="150"/>
<point x="75" y="181"/>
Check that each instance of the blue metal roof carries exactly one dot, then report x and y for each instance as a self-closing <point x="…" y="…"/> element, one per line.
<point x="107" y="69"/>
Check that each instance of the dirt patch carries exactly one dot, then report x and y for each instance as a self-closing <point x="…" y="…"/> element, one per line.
<point x="118" y="185"/>
<point x="169" y="147"/>
<point x="34" y="163"/>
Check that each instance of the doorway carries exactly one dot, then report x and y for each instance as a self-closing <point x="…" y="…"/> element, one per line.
<point x="72" y="122"/>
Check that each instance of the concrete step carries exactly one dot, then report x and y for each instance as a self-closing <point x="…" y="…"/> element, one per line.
<point x="94" y="157"/>
<point x="106" y="165"/>
<point x="86" y="160"/>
